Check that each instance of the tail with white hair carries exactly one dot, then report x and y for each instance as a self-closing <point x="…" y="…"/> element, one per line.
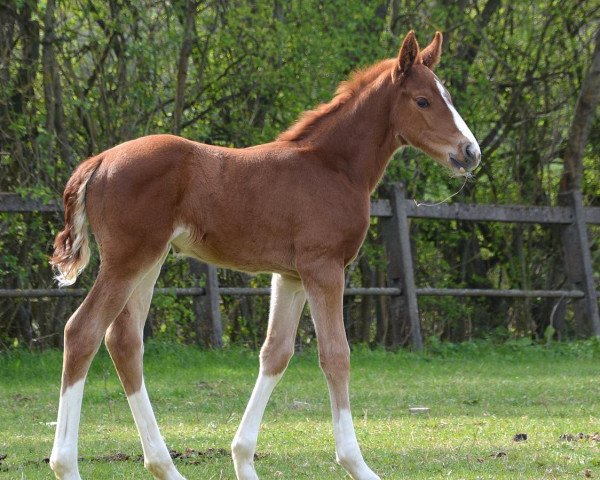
<point x="71" y="247"/>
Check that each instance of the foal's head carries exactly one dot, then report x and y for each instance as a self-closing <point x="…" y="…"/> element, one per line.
<point x="423" y="115"/>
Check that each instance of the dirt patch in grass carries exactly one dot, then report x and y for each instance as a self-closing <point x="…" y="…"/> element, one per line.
<point x="189" y="455"/>
<point x="575" y="437"/>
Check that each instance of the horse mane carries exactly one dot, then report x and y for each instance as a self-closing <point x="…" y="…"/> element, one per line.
<point x="346" y="90"/>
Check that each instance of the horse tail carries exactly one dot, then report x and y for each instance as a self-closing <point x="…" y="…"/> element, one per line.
<point x="71" y="247"/>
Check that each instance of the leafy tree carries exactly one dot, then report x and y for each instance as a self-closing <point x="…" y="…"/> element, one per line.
<point x="80" y="77"/>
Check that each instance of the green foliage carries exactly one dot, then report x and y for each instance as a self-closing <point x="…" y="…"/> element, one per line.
<point x="84" y="77"/>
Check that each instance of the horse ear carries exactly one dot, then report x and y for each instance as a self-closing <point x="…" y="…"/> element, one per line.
<point x="431" y="54"/>
<point x="409" y="53"/>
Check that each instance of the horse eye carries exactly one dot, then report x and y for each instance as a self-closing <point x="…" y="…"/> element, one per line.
<point x="422" y="102"/>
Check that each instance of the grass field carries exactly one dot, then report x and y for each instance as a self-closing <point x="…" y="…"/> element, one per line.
<point x="479" y="398"/>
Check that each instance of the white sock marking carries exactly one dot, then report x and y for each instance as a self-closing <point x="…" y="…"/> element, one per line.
<point x="244" y="442"/>
<point x="63" y="459"/>
<point x="156" y="455"/>
<point x="347" y="449"/>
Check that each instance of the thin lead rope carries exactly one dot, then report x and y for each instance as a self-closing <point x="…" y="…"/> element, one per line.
<point x="418" y="204"/>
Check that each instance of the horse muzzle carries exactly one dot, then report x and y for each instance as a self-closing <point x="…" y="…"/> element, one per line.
<point x="470" y="158"/>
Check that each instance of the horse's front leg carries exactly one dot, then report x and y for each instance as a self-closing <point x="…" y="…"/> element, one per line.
<point x="324" y="285"/>
<point x="287" y="302"/>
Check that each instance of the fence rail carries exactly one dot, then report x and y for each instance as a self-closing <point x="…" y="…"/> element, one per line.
<point x="395" y="213"/>
<point x="348" y="292"/>
<point x="178" y="292"/>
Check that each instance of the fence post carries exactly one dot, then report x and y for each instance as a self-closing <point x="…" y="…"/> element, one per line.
<point x="578" y="266"/>
<point x="206" y="307"/>
<point x="400" y="267"/>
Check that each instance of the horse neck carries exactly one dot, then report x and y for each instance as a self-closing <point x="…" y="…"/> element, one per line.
<point x="357" y="138"/>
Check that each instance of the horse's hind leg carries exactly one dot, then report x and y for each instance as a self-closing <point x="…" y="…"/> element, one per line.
<point x="124" y="340"/>
<point x="83" y="335"/>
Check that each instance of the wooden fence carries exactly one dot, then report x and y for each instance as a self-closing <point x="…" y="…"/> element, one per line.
<point x="394" y="213"/>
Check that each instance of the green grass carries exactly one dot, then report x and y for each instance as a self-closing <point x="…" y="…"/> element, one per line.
<point x="479" y="398"/>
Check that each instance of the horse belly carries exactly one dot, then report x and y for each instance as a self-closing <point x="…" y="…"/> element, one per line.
<point x="246" y="254"/>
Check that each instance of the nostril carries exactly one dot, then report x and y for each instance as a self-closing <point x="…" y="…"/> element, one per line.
<point x="471" y="153"/>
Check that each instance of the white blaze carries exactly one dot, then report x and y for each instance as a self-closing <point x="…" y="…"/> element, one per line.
<point x="458" y="121"/>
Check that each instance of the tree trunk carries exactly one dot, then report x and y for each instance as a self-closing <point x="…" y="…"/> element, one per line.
<point x="189" y="22"/>
<point x="576" y="248"/>
<point x="55" y="116"/>
<point x="7" y="29"/>
<point x="582" y="122"/>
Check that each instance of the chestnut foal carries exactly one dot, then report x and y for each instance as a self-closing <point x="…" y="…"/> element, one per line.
<point x="298" y="207"/>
